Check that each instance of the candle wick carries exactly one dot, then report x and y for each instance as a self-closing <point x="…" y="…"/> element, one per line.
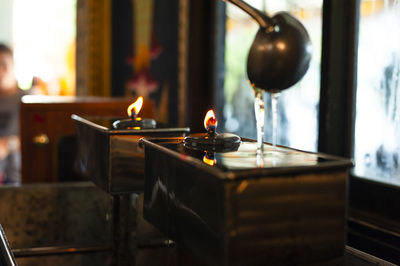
<point x="211" y="131"/>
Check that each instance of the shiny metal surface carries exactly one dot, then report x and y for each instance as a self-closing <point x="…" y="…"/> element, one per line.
<point x="281" y="51"/>
<point x="58" y="250"/>
<point x="6" y="255"/>
<point x="260" y="216"/>
<point x="112" y="158"/>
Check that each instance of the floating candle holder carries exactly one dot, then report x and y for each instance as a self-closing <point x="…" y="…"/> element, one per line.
<point x="211" y="140"/>
<point x="134" y="122"/>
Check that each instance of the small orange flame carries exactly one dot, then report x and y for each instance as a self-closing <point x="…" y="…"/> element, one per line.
<point x="136" y="106"/>
<point x="210" y="121"/>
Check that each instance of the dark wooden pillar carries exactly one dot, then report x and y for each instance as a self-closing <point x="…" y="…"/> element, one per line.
<point x="205" y="35"/>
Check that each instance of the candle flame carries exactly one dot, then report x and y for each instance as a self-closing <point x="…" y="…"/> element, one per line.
<point x="210" y="121"/>
<point x="135" y="107"/>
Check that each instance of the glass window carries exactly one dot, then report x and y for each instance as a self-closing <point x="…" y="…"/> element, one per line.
<point x="377" y="131"/>
<point x="44" y="34"/>
<point x="297" y="106"/>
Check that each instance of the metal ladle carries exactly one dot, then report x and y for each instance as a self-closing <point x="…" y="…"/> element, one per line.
<point x="281" y="51"/>
<point x="278" y="58"/>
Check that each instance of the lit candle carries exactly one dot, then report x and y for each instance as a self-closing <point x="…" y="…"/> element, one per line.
<point x="212" y="141"/>
<point x="134" y="122"/>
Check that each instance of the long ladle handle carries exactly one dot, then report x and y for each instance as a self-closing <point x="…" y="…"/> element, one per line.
<point x="262" y="19"/>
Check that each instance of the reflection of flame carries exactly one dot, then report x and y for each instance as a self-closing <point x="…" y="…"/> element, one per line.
<point x="210" y="121"/>
<point x="136" y="106"/>
<point x="209" y="159"/>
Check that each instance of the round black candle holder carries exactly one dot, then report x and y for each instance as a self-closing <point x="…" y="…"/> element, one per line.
<point x="132" y="123"/>
<point x="216" y="142"/>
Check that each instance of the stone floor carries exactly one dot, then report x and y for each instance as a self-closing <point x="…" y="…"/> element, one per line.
<point x="38" y="217"/>
<point x="57" y="215"/>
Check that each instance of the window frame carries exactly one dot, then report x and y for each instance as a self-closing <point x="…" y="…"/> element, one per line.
<point x="373" y="225"/>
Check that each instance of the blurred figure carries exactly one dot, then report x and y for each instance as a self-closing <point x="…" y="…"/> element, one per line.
<point x="10" y="97"/>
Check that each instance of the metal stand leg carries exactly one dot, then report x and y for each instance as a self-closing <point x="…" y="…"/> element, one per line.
<point x="123" y="226"/>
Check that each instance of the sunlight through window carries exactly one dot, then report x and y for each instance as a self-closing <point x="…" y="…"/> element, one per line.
<point x="44" y="33"/>
<point x="377" y="136"/>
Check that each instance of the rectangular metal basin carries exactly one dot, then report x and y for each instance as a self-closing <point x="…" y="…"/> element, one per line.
<point x="286" y="212"/>
<point x="112" y="158"/>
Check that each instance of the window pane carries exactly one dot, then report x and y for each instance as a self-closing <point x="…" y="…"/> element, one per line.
<point x="298" y="106"/>
<point x="377" y="135"/>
